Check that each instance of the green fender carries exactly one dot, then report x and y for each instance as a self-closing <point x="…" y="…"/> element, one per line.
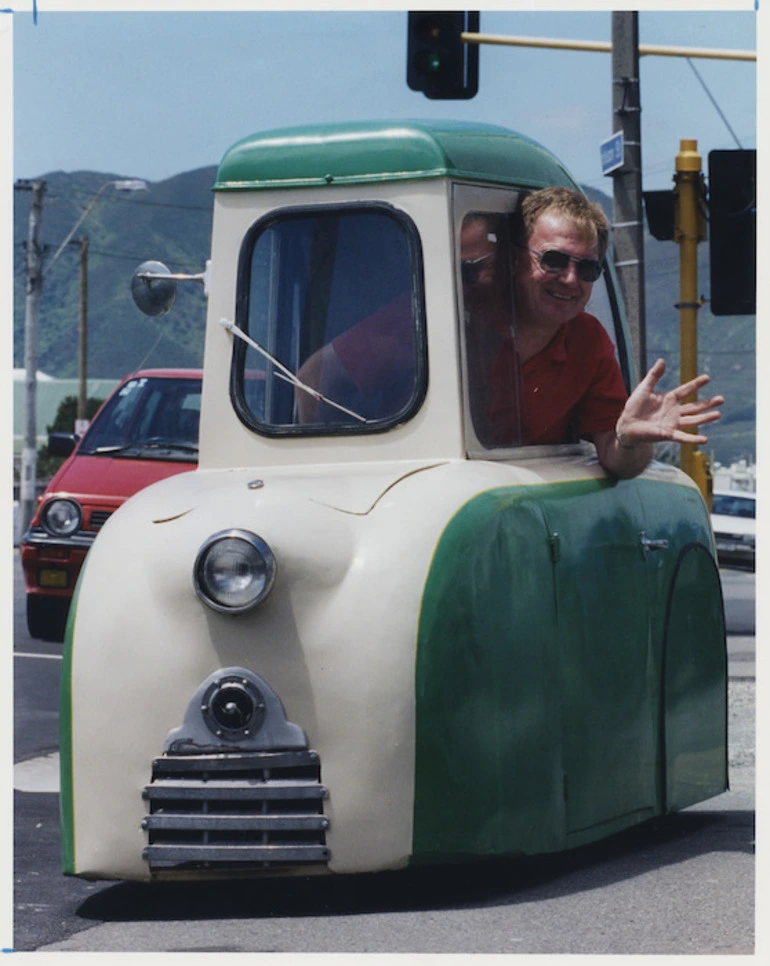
<point x="569" y="680"/>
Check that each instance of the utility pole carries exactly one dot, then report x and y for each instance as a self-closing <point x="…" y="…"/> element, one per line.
<point x="28" y="488"/>
<point x="82" y="416"/>
<point x="627" y="216"/>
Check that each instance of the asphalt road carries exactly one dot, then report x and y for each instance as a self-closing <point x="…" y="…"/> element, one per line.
<point x="684" y="884"/>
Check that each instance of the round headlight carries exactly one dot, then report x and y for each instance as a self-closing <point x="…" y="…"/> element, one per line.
<point x="61" y="518"/>
<point x="234" y="571"/>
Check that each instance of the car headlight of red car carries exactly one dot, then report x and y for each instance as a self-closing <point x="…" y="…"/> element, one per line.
<point x="234" y="571"/>
<point x="61" y="517"/>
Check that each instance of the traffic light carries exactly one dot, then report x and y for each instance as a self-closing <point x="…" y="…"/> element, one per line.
<point x="660" y="208"/>
<point x="438" y="62"/>
<point x="733" y="231"/>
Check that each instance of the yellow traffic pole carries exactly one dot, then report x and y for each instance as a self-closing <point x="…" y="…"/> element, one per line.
<point x="689" y="230"/>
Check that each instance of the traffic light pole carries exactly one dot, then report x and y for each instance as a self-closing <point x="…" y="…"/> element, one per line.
<point x="603" y="47"/>
<point x="689" y="230"/>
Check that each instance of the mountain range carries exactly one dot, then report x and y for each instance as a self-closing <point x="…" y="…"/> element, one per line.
<point x="171" y="222"/>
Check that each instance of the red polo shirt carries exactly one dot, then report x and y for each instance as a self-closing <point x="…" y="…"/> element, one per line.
<point x="573" y="387"/>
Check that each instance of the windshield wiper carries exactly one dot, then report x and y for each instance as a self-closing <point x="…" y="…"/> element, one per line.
<point x="157" y="442"/>
<point x="287" y="374"/>
<point x="102" y="450"/>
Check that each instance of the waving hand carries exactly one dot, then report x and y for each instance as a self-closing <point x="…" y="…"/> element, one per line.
<point x="653" y="417"/>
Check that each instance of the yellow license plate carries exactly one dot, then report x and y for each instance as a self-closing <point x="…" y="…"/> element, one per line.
<point x="53" y="578"/>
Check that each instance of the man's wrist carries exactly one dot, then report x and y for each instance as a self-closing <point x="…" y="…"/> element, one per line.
<point x="623" y="442"/>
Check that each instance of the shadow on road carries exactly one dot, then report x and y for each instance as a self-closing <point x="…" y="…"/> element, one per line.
<point x="638" y="851"/>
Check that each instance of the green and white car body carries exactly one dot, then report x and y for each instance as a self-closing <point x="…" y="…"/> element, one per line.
<point x="458" y="650"/>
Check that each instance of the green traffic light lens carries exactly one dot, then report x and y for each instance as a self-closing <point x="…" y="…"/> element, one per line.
<point x="428" y="61"/>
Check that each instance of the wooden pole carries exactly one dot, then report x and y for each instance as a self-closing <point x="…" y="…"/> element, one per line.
<point x="83" y="334"/>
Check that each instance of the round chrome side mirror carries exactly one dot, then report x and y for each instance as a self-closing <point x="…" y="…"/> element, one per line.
<point x="152" y="292"/>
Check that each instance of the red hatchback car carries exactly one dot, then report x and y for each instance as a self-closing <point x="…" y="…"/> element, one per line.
<point x="145" y="431"/>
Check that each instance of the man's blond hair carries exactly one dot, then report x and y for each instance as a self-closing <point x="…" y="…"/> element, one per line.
<point x="587" y="216"/>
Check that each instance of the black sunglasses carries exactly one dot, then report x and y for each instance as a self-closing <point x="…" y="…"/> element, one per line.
<point x="588" y="269"/>
<point x="471" y="268"/>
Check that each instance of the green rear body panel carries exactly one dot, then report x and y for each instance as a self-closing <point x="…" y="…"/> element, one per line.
<point x="568" y="684"/>
<point x="363" y="152"/>
<point x="694" y="689"/>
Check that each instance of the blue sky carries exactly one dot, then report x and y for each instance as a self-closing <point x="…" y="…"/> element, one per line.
<point x="152" y="94"/>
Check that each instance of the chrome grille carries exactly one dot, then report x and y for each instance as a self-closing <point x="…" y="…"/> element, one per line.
<point x="235" y="811"/>
<point x="97" y="518"/>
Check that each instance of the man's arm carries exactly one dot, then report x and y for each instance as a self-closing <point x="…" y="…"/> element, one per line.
<point x="322" y="371"/>
<point x="623" y="459"/>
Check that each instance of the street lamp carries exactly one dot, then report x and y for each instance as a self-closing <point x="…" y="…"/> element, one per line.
<point x="28" y="481"/>
<point x="127" y="184"/>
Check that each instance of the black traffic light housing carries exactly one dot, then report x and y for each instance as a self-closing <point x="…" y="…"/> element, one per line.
<point x="661" y="213"/>
<point x="438" y="62"/>
<point x="732" y="209"/>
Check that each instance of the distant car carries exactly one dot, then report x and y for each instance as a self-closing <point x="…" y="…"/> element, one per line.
<point x="733" y="519"/>
<point x="146" y="431"/>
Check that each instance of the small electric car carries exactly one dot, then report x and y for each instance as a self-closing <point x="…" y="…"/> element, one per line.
<point x="367" y="632"/>
<point x="146" y="430"/>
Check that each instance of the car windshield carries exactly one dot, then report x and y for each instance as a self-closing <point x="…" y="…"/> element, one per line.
<point x="733" y="505"/>
<point x="330" y="322"/>
<point x="148" y="417"/>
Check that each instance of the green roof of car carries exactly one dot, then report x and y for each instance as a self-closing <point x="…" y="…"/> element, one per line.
<point x="369" y="151"/>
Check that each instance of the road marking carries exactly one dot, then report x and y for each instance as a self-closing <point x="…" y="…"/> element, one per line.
<point x="50" y="657"/>
<point x="37" y="774"/>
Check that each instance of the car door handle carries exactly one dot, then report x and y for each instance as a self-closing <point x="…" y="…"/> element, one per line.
<point x="648" y="545"/>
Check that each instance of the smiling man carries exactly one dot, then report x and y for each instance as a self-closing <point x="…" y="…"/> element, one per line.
<point x="572" y="384"/>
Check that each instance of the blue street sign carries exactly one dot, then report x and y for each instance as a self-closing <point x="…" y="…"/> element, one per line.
<point x="612" y="153"/>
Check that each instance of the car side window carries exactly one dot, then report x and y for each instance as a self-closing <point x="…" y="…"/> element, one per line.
<point x="500" y="412"/>
<point x="734" y="506"/>
<point x="602" y="306"/>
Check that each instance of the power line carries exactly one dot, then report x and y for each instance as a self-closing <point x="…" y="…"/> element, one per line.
<point x="116" y="199"/>
<point x="20" y="248"/>
<point x="713" y="101"/>
<point x="62" y="201"/>
<point x="163" y="204"/>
